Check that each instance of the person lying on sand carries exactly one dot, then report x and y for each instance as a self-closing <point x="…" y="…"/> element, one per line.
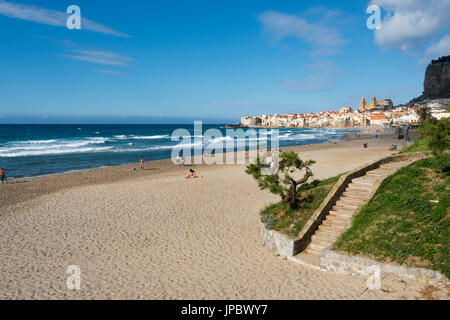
<point x="191" y="175"/>
<point x="3" y="175"/>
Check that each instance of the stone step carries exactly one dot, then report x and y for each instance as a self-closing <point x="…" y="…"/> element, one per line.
<point x="384" y="171"/>
<point x="313" y="251"/>
<point x="345" y="216"/>
<point x="355" y="195"/>
<point x="393" y="165"/>
<point x="355" y="206"/>
<point x="359" y="187"/>
<point x="322" y="236"/>
<point x="366" y="181"/>
<point x="343" y="209"/>
<point x="339" y="217"/>
<point x="350" y="200"/>
<point x="379" y="173"/>
<point x="347" y="205"/>
<point x="335" y="230"/>
<point x="346" y="208"/>
<point x="318" y="246"/>
<point x="335" y="223"/>
<point x="374" y="174"/>
<point x="324" y="243"/>
<point x="311" y="258"/>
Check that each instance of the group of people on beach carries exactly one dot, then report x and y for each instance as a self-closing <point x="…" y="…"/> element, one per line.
<point x="3" y="175"/>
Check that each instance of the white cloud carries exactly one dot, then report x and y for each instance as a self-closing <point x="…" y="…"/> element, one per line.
<point x="51" y="17"/>
<point x="99" y="57"/>
<point x="323" y="39"/>
<point x="409" y="23"/>
<point x="109" y="72"/>
<point x="441" y="48"/>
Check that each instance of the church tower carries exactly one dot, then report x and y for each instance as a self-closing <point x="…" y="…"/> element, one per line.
<point x="362" y="105"/>
<point x="373" y="103"/>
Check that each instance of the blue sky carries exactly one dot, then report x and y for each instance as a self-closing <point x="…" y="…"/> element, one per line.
<point x="179" y="61"/>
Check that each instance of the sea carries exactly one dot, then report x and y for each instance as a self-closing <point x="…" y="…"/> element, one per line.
<point x="37" y="150"/>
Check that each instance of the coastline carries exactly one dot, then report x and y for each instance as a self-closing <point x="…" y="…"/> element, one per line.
<point x="88" y="149"/>
<point x="28" y="188"/>
<point x="155" y="235"/>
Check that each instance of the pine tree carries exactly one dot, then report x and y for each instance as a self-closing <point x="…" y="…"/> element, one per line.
<point x="282" y="182"/>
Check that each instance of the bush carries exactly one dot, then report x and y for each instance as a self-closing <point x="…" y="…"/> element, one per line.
<point x="417" y="146"/>
<point x="438" y="134"/>
<point x="440" y="163"/>
<point x="444" y="164"/>
<point x="269" y="222"/>
<point x="282" y="182"/>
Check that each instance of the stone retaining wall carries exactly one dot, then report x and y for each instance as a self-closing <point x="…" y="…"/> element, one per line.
<point x="357" y="266"/>
<point x="279" y="243"/>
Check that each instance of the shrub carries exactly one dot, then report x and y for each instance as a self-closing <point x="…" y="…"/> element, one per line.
<point x="438" y="134"/>
<point x="269" y="222"/>
<point x="282" y="182"/>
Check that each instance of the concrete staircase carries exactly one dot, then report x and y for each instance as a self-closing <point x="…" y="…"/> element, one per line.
<point x="339" y="218"/>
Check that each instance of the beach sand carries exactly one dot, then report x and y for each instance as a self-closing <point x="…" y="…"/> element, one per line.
<point x="153" y="234"/>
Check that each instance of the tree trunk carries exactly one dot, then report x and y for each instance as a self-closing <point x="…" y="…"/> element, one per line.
<point x="291" y="197"/>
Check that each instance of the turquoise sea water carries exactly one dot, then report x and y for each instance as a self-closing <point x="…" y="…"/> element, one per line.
<point x="34" y="150"/>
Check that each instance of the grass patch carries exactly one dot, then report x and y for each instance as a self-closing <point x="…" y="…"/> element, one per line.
<point x="290" y="221"/>
<point x="421" y="145"/>
<point x="408" y="220"/>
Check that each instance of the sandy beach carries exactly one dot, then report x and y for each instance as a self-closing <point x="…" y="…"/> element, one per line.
<point x="153" y="234"/>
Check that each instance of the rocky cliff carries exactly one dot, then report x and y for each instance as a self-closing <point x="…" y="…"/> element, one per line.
<point x="437" y="80"/>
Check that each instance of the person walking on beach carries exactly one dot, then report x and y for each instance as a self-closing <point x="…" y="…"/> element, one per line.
<point x="142" y="163"/>
<point x="3" y="175"/>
